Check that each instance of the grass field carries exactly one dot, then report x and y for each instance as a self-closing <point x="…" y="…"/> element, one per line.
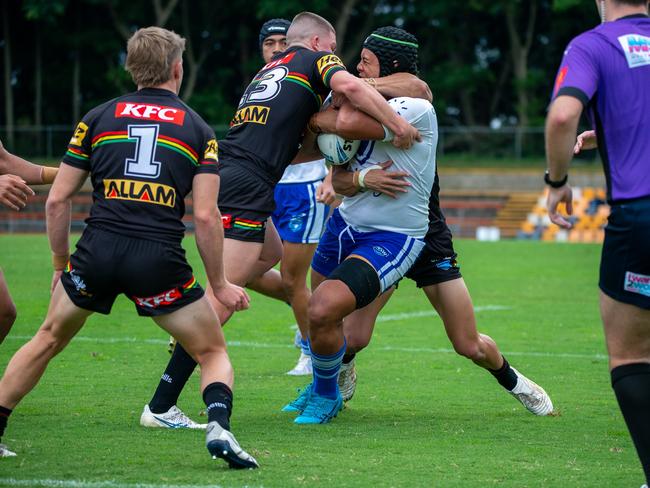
<point x="422" y="416"/>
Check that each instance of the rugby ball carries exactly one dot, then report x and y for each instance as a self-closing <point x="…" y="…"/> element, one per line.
<point x="335" y="149"/>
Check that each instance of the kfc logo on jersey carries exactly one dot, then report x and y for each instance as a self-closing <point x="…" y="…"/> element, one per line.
<point x="165" y="298"/>
<point x="145" y="111"/>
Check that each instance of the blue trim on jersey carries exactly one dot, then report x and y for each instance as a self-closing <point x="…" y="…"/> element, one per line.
<point x="364" y="152"/>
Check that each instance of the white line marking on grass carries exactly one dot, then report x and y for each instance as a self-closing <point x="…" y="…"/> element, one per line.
<point x="264" y="345"/>
<point x="381" y="318"/>
<point x="432" y="313"/>
<point x="93" y="484"/>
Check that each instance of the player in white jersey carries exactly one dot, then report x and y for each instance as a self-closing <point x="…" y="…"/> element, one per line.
<point x="371" y="240"/>
<point x="436" y="270"/>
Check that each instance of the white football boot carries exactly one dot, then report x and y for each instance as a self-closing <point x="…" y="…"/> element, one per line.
<point x="347" y="380"/>
<point x="531" y="395"/>
<point x="303" y="366"/>
<point x="174" y="418"/>
<point x="221" y="443"/>
<point x="5" y="452"/>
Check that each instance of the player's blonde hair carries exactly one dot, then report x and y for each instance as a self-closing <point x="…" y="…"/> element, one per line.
<point x="308" y="24"/>
<point x="150" y="54"/>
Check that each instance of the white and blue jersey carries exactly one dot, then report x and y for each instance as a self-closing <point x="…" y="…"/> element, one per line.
<point x="388" y="233"/>
<point x="391" y="254"/>
<point x="409" y="212"/>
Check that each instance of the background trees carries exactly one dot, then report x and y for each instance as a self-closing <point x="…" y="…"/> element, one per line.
<point x="489" y="63"/>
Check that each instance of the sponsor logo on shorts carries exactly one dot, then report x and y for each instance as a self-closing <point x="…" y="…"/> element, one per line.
<point x="254" y="114"/>
<point x="140" y="191"/>
<point x="380" y="251"/>
<point x="166" y="298"/>
<point x="79" y="134"/>
<point x="226" y="221"/>
<point x="444" y="264"/>
<point x="145" y="111"/>
<point x="297" y="222"/>
<point x="78" y="282"/>
<point x="637" y="283"/>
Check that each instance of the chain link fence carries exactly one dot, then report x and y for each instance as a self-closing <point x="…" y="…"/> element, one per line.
<point x="50" y="141"/>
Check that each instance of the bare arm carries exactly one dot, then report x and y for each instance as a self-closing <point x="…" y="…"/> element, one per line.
<point x="209" y="240"/>
<point x="347" y="122"/>
<point x="363" y="97"/>
<point x="32" y="174"/>
<point x="390" y="183"/>
<point x="561" y="127"/>
<point x="308" y="151"/>
<point x="401" y="85"/>
<point x="57" y="211"/>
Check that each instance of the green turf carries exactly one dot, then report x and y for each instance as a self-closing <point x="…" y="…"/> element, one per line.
<point x="424" y="417"/>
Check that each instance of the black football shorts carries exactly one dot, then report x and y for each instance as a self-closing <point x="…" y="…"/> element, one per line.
<point x="625" y="259"/>
<point x="437" y="261"/>
<point x="154" y="275"/>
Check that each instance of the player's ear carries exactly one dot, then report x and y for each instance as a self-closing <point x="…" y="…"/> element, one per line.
<point x="315" y="42"/>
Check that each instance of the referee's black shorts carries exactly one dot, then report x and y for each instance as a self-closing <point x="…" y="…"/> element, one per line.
<point x="625" y="259"/>
<point x="154" y="275"/>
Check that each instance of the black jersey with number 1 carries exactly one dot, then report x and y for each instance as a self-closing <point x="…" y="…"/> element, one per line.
<point x="143" y="151"/>
<point x="267" y="128"/>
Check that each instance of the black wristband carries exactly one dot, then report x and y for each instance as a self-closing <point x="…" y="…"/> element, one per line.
<point x="555" y="184"/>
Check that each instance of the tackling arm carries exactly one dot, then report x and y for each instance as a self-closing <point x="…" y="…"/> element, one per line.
<point x="401" y="85"/>
<point x="363" y="97"/>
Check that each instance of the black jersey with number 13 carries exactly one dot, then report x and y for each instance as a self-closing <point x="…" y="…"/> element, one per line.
<point x="275" y="108"/>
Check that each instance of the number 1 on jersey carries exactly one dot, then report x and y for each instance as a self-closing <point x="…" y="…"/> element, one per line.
<point x="143" y="165"/>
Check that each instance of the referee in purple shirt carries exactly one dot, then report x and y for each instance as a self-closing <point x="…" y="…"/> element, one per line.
<point x="606" y="71"/>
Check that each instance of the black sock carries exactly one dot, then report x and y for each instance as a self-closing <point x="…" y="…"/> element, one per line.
<point x="218" y="399"/>
<point x="505" y="375"/>
<point x="4" y="417"/>
<point x="179" y="369"/>
<point x="631" y="383"/>
<point x="347" y="358"/>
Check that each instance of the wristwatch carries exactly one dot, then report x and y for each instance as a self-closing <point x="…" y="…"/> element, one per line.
<point x="555" y="184"/>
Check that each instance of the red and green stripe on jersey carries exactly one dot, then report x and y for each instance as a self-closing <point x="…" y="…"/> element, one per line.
<point x="167" y="142"/>
<point x="77" y="154"/>
<point x="302" y="80"/>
